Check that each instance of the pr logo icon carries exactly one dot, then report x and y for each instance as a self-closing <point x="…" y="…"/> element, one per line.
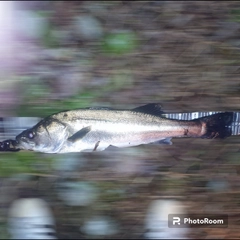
<point x="176" y="220"/>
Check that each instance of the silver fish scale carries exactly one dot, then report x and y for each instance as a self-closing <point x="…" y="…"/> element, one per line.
<point x="12" y="126"/>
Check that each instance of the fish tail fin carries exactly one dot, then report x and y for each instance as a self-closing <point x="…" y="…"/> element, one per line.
<point x="218" y="125"/>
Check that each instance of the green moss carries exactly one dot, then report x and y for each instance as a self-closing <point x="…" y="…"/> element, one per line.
<point x="235" y="15"/>
<point x="231" y="158"/>
<point x="119" y="43"/>
<point x="110" y="192"/>
<point x="21" y="162"/>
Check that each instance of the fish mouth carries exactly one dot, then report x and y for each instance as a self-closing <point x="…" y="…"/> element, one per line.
<point x="22" y="142"/>
<point x="25" y="145"/>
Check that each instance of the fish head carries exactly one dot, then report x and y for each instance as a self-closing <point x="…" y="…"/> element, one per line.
<point x="47" y="136"/>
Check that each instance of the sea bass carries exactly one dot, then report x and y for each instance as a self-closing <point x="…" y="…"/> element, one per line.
<point x="95" y="129"/>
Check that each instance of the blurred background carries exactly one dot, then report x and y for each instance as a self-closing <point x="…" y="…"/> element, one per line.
<point x="60" y="55"/>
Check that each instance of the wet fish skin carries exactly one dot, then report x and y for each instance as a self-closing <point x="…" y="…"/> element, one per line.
<point x="95" y="129"/>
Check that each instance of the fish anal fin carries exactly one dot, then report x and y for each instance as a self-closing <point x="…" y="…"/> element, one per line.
<point x="151" y="108"/>
<point x="80" y="134"/>
<point x="165" y="141"/>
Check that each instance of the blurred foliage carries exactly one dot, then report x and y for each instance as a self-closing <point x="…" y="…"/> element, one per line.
<point x="3" y="231"/>
<point x="22" y="162"/>
<point x="235" y="15"/>
<point x="36" y="90"/>
<point x="48" y="38"/>
<point x="119" y="43"/>
<point x="34" y="102"/>
<point x="31" y="106"/>
<point x="121" y="79"/>
<point x="231" y="158"/>
<point x="111" y="191"/>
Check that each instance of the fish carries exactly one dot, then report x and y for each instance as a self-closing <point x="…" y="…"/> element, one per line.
<point x="97" y="128"/>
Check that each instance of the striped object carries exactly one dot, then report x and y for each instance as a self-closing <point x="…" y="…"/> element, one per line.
<point x="10" y="127"/>
<point x="189" y="116"/>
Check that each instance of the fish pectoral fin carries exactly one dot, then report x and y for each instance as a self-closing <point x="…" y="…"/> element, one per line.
<point x="165" y="141"/>
<point x="80" y="134"/>
<point x="151" y="108"/>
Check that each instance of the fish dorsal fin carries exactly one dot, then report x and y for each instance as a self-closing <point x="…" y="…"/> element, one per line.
<point x="151" y="108"/>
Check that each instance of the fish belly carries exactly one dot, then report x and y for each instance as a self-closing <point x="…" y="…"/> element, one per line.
<point x="118" y="135"/>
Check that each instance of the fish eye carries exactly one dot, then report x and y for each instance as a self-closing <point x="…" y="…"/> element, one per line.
<point x="30" y="135"/>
